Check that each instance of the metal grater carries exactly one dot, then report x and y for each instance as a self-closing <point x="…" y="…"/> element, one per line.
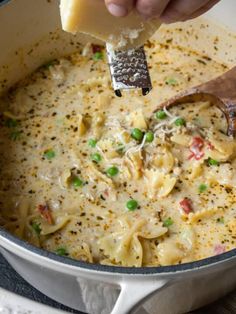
<point x="129" y="70"/>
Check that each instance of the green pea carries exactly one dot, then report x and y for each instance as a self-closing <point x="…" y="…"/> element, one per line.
<point x="168" y="222"/>
<point x="131" y="205"/>
<point x="149" y="137"/>
<point x="98" y="56"/>
<point x="49" y="154"/>
<point x="220" y="220"/>
<point x="36" y="227"/>
<point x="161" y="115"/>
<point x="171" y="81"/>
<point x="137" y="134"/>
<point x="77" y="182"/>
<point x="61" y="251"/>
<point x="213" y="162"/>
<point x="92" y="142"/>
<point x="179" y="122"/>
<point x="96" y="157"/>
<point x="11" y="123"/>
<point x="112" y="171"/>
<point x="202" y="188"/>
<point x="15" y="135"/>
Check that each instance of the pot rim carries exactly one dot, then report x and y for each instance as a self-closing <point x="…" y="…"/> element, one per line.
<point x="210" y="261"/>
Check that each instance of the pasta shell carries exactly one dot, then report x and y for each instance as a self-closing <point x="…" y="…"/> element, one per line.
<point x="108" y="148"/>
<point x="124" y="246"/>
<point x="150" y="257"/>
<point x="224" y="146"/>
<point x="196" y="170"/>
<point x="164" y="161"/>
<point x="158" y="184"/>
<point x="82" y="253"/>
<point x="136" y="119"/>
<point x="47" y="229"/>
<point x="97" y="176"/>
<point x="224" y="174"/>
<point x="135" y="164"/>
<point x="181" y="139"/>
<point x="169" y="253"/>
<point x="97" y="124"/>
<point x="202" y="214"/>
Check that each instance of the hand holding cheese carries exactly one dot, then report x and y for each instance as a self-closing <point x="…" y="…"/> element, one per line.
<point x="168" y="10"/>
<point x="92" y="17"/>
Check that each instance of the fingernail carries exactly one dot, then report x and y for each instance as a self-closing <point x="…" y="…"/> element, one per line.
<point x="117" y="10"/>
<point x="166" y="19"/>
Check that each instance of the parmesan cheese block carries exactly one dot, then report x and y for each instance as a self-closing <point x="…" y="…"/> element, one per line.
<point x="92" y="17"/>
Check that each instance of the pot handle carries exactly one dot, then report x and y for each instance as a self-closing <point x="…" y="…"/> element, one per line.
<point x="134" y="292"/>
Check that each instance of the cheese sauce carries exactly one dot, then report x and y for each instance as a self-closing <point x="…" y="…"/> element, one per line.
<point x="106" y="180"/>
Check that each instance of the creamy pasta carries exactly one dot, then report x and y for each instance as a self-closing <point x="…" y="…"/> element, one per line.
<point x="115" y="180"/>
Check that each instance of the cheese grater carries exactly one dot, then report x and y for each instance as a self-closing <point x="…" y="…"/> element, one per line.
<point x="129" y="70"/>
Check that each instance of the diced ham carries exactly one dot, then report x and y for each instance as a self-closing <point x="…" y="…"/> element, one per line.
<point x="46" y="213"/>
<point x="186" y="205"/>
<point x="210" y="146"/>
<point x="196" y="148"/>
<point x="219" y="249"/>
<point x="96" y="48"/>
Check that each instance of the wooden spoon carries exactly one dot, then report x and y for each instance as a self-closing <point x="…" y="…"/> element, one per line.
<point x="220" y="92"/>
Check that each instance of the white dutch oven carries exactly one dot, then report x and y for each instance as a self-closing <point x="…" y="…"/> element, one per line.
<point x="30" y="35"/>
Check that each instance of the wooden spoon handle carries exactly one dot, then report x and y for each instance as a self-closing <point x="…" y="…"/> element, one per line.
<point x="220" y="92"/>
<point x="224" y="86"/>
<point x="223" y="89"/>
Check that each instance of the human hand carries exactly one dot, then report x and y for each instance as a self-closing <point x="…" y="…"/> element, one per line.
<point x="167" y="10"/>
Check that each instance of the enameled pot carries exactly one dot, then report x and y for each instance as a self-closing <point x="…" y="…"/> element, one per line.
<point x="30" y="34"/>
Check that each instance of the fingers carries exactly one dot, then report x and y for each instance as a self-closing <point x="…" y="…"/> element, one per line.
<point x="119" y="8"/>
<point x="151" y="8"/>
<point x="169" y="10"/>
<point x="179" y="10"/>
<point x="201" y="10"/>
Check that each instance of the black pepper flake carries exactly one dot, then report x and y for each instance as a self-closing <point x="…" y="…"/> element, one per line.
<point x="73" y="232"/>
<point x="102" y="197"/>
<point x="201" y="61"/>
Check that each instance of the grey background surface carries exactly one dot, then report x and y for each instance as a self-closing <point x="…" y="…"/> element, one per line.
<point x="10" y="280"/>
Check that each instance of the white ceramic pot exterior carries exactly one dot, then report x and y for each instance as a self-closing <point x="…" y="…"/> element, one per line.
<point x="30" y="35"/>
<point x="166" y="291"/>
